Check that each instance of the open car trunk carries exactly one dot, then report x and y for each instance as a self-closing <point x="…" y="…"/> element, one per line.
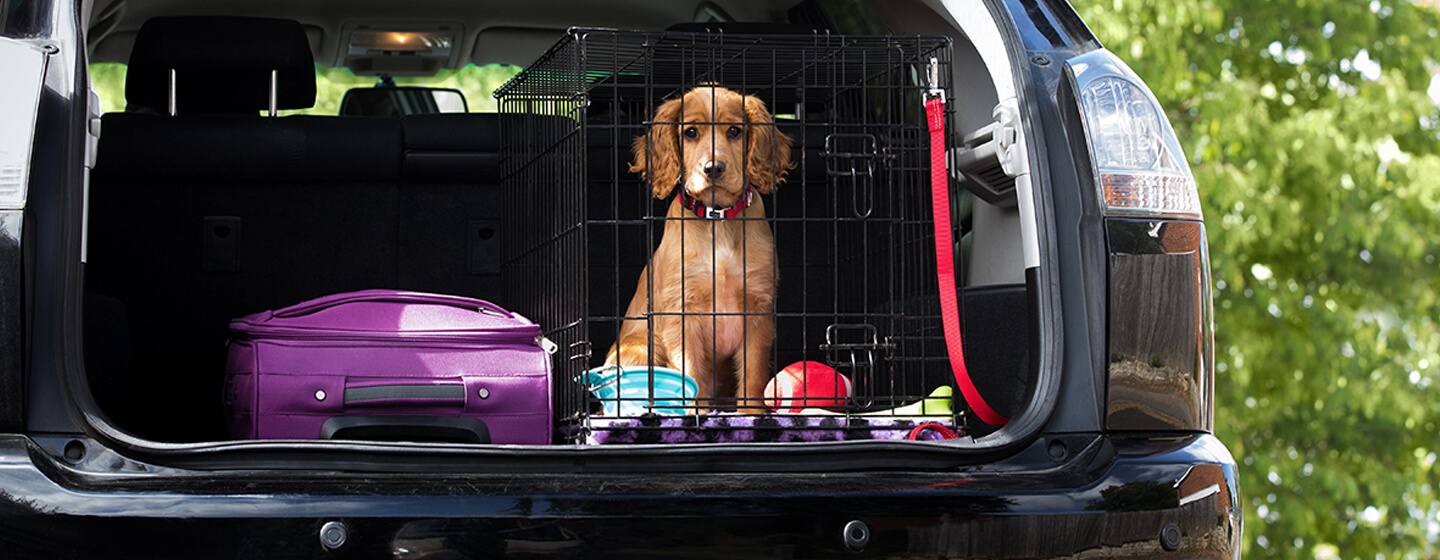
<point x="199" y="218"/>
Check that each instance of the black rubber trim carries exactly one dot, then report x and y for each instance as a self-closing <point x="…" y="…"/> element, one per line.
<point x="406" y="428"/>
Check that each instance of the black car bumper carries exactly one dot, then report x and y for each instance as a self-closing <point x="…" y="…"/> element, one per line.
<point x="1116" y="497"/>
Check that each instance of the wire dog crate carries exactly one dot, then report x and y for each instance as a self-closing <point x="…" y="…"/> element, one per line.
<point x="852" y="224"/>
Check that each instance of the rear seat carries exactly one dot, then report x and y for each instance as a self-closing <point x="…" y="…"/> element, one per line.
<point x="219" y="212"/>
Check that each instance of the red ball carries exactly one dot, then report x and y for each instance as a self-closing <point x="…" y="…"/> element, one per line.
<point x="804" y="385"/>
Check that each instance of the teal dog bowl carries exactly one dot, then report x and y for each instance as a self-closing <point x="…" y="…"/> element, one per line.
<point x="634" y="391"/>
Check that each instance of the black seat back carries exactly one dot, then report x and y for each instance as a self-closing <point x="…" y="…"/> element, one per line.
<point x="219" y="212"/>
<point x="450" y="234"/>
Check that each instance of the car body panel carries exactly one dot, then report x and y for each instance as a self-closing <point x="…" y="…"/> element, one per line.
<point x="1113" y="496"/>
<point x="1065" y="489"/>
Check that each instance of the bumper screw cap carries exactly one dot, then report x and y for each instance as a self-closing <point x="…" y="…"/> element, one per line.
<point x="333" y="535"/>
<point x="857" y="535"/>
<point x="1170" y="537"/>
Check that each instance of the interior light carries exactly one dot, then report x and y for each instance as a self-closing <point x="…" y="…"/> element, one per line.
<point x="378" y="49"/>
<point x="398" y="41"/>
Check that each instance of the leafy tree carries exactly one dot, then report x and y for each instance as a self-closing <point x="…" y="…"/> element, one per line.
<point x="1318" y="155"/>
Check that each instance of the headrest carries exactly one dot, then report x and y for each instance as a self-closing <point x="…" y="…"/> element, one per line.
<point x="222" y="65"/>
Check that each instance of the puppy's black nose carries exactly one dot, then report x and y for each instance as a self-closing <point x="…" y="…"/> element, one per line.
<point x="713" y="169"/>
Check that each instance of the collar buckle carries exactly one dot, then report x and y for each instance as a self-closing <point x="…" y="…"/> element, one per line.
<point x="713" y="213"/>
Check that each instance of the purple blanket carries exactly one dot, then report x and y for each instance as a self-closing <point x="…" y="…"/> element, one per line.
<point x="763" y="429"/>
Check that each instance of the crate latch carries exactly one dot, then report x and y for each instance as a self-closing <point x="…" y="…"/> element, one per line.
<point x="854" y="348"/>
<point x="856" y="156"/>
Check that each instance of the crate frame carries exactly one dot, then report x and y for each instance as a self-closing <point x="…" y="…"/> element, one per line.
<point x="596" y="87"/>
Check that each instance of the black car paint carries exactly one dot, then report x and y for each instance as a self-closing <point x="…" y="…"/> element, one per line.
<point x="50" y="242"/>
<point x="12" y="326"/>
<point x="1107" y="496"/>
<point x="73" y="489"/>
<point x="1067" y="214"/>
<point x="1161" y="358"/>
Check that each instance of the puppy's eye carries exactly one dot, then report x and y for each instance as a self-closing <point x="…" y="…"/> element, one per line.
<point x="692" y="133"/>
<point x="733" y="133"/>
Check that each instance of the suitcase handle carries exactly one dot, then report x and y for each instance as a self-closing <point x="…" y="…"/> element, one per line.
<point x="386" y="296"/>
<point x="436" y="395"/>
<point x="406" y="428"/>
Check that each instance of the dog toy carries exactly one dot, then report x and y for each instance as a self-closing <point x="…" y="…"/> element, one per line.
<point x="937" y="404"/>
<point x="807" y="384"/>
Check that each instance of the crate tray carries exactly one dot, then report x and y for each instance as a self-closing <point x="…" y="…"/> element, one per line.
<point x="777" y="428"/>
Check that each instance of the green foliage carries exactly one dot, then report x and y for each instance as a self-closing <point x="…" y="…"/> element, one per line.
<point x="108" y="79"/>
<point x="1320" y="181"/>
<point x="476" y="82"/>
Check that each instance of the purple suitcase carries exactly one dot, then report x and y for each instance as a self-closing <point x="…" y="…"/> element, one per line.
<point x="385" y="364"/>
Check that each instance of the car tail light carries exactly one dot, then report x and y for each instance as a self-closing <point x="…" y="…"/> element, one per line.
<point x="1140" y="170"/>
<point x="20" y="96"/>
<point x="1160" y="341"/>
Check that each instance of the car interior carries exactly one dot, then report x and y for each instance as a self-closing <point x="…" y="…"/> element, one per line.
<point x="205" y="206"/>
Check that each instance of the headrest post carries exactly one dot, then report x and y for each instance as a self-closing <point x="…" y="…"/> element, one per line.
<point x="172" y="92"/>
<point x="274" y="90"/>
<point x="226" y="62"/>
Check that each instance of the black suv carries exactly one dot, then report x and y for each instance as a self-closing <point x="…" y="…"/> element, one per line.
<point x="1081" y="424"/>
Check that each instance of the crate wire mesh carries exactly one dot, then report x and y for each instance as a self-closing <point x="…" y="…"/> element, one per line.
<point x="852" y="225"/>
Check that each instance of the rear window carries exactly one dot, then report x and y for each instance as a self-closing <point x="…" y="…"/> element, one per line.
<point x="476" y="82"/>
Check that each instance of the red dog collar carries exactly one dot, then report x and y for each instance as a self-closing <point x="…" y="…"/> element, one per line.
<point x="712" y="213"/>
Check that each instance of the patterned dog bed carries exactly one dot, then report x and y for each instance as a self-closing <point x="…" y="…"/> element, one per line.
<point x="733" y="428"/>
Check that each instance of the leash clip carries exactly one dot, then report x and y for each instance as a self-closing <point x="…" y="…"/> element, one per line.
<point x="935" y="92"/>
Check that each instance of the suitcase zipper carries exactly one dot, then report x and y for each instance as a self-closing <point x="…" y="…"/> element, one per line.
<point x="527" y="337"/>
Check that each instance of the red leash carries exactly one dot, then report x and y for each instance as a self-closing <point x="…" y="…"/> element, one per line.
<point x="939" y="429"/>
<point x="945" y="260"/>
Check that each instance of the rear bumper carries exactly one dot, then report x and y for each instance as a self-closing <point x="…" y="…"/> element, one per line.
<point x="1113" y="498"/>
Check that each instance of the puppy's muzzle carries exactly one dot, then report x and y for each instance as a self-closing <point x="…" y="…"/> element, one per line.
<point x="713" y="169"/>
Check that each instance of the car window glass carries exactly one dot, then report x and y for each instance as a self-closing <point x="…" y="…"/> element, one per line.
<point x="476" y="82"/>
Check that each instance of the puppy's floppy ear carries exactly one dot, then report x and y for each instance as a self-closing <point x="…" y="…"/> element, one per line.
<point x="767" y="154"/>
<point x="657" y="157"/>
